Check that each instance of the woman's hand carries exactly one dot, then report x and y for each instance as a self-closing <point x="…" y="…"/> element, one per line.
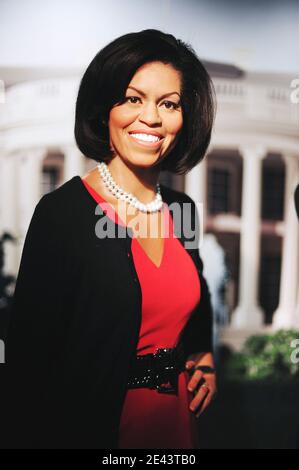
<point x="203" y="385"/>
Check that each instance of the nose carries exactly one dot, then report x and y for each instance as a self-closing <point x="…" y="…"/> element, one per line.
<point x="150" y="115"/>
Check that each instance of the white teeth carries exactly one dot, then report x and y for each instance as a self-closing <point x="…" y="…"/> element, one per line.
<point x="146" y="137"/>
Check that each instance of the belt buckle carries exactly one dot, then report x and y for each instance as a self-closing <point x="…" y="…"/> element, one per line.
<point x="173" y="384"/>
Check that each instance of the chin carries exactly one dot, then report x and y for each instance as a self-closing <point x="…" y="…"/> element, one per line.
<point x="144" y="160"/>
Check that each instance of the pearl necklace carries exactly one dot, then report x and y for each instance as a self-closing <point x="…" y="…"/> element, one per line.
<point x="119" y="193"/>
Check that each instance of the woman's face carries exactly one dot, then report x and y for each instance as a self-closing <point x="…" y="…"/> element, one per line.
<point x="152" y="111"/>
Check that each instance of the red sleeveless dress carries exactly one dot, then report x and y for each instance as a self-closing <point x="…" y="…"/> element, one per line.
<point x="170" y="292"/>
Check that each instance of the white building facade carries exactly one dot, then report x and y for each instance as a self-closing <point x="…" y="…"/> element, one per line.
<point x="246" y="184"/>
<point x="255" y="150"/>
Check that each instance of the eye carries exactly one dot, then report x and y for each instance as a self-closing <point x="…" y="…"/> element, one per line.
<point x="170" y="104"/>
<point x="132" y="98"/>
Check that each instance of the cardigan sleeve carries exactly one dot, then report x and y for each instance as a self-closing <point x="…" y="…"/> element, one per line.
<point x="198" y="334"/>
<point x="35" y="323"/>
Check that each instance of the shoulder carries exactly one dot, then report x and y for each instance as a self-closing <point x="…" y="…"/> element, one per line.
<point x="65" y="200"/>
<point x="68" y="191"/>
<point x="187" y="205"/>
<point x="57" y="211"/>
<point x="172" y="195"/>
<point x="187" y="218"/>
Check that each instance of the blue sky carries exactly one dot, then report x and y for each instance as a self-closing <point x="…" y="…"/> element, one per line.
<point x="260" y="35"/>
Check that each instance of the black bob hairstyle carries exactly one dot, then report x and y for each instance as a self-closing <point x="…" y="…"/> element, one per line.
<point x="105" y="82"/>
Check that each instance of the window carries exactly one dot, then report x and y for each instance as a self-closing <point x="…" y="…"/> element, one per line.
<point x="269" y="284"/>
<point x="218" y="193"/>
<point x="273" y="194"/>
<point x="49" y="179"/>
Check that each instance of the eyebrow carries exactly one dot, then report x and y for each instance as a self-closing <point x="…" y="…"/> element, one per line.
<point x="163" y="96"/>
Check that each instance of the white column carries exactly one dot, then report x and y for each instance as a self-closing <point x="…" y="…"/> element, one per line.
<point x="248" y="313"/>
<point x="285" y="315"/>
<point x="29" y="188"/>
<point x="74" y="162"/>
<point x="196" y="187"/>
<point x="8" y="207"/>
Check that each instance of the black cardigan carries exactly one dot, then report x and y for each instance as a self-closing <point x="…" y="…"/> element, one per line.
<point x="75" y="322"/>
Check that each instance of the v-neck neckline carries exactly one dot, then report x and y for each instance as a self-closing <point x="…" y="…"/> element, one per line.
<point x="148" y="257"/>
<point x="116" y="219"/>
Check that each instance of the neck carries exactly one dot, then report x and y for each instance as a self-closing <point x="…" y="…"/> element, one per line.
<point x="139" y="181"/>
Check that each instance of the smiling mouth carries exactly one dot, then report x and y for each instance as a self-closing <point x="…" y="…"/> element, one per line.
<point x="146" y="140"/>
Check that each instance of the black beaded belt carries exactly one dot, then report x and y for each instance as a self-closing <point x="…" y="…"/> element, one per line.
<point x="159" y="370"/>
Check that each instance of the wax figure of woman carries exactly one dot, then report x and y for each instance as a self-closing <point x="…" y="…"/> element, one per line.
<point x="110" y="338"/>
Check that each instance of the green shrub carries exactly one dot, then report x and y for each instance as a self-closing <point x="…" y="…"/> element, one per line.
<point x="266" y="357"/>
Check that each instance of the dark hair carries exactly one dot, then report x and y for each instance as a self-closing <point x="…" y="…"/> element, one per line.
<point x="105" y="82"/>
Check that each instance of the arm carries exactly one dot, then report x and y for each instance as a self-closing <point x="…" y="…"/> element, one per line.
<point x="199" y="344"/>
<point x="199" y="347"/>
<point x="197" y="337"/>
<point x="198" y="334"/>
<point x="35" y="322"/>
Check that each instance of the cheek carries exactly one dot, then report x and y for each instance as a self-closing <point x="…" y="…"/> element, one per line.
<point x="119" y="119"/>
<point x="116" y="119"/>
<point x="175" y="125"/>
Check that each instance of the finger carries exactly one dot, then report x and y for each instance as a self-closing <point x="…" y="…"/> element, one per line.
<point x="206" y="401"/>
<point x="194" y="381"/>
<point x="189" y="365"/>
<point x="200" y="395"/>
<point x="204" y="404"/>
